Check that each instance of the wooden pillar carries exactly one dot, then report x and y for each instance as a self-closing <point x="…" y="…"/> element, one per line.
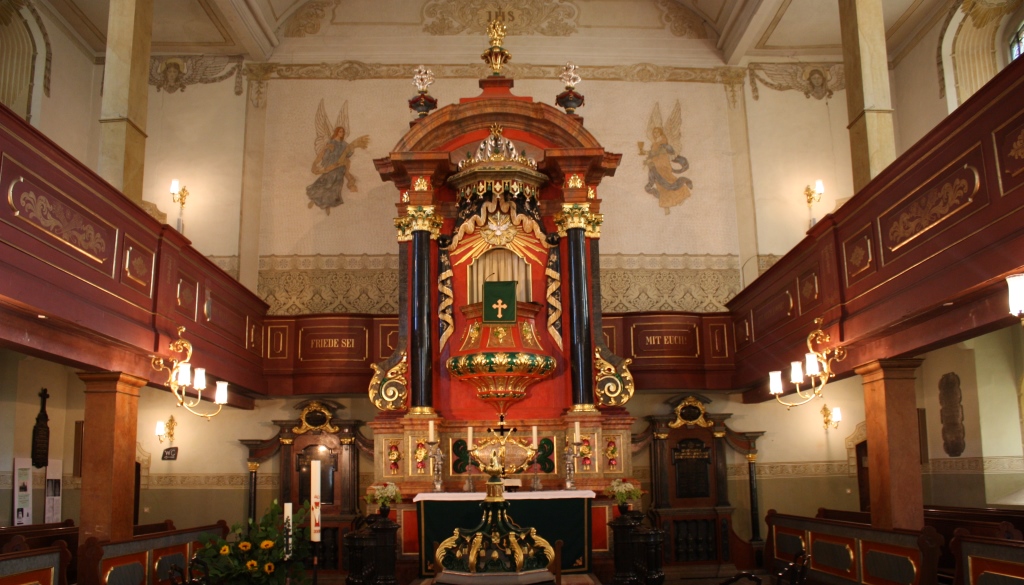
<point x="868" y="99"/>
<point x="108" y="455"/>
<point x="894" y="451"/>
<point x="125" y="99"/>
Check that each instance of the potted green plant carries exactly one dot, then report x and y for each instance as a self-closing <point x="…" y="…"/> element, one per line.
<point x="383" y="496"/>
<point x="622" y="492"/>
<point x="256" y="554"/>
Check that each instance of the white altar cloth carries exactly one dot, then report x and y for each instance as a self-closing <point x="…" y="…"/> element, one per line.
<point x="531" y="495"/>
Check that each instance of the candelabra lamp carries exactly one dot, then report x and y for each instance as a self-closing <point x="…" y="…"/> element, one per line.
<point x="180" y="379"/>
<point x="819" y="369"/>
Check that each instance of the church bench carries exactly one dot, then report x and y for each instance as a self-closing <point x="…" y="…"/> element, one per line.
<point x="983" y="560"/>
<point x="142" y="560"/>
<point x="46" y="566"/>
<point x="850" y="552"/>
<point x="8" y="532"/>
<point x="1015" y="517"/>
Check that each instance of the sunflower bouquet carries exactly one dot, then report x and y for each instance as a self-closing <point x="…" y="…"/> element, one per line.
<point x="256" y="553"/>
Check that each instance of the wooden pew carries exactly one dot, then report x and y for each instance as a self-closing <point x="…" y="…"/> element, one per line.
<point x="946" y="523"/>
<point x="982" y="560"/>
<point x="47" y="566"/>
<point x="143" y="560"/>
<point x="850" y="552"/>
<point x="1015" y="517"/>
<point x="68" y="536"/>
<point x="8" y="532"/>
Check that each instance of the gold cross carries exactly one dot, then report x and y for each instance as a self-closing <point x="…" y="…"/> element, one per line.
<point x="499" y="305"/>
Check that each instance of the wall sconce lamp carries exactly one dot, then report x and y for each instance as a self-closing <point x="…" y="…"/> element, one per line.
<point x="178" y="195"/>
<point x="832" y="416"/>
<point x="1015" y="282"/>
<point x="165" y="430"/>
<point x="819" y="368"/>
<point x="180" y="378"/>
<point x="813" y="196"/>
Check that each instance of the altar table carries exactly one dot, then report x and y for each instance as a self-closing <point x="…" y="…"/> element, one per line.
<point x="557" y="515"/>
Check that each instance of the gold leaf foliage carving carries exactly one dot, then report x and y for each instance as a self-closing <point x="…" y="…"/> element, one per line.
<point x="388" y="389"/>
<point x="613" y="385"/>
<point x="1017" y="151"/>
<point x="553" y="18"/>
<point x="929" y="209"/>
<point x="63" y="222"/>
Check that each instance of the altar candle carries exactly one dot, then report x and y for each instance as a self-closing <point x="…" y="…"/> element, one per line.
<point x="430" y="431"/>
<point x="314" y="501"/>
<point x="577" y="439"/>
<point x="287" y="524"/>
<point x="534" y="435"/>
<point x="469" y="437"/>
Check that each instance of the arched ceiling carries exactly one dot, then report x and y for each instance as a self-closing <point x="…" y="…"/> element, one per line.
<point x="736" y="30"/>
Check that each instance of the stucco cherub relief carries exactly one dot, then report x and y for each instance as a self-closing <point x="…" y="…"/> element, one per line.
<point x="173" y="73"/>
<point x="333" y="159"/>
<point x="815" y="80"/>
<point x="664" y="163"/>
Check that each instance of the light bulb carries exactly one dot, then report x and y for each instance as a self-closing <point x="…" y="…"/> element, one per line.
<point x="796" y="373"/>
<point x="811" y="367"/>
<point x="174" y="186"/>
<point x="1016" y="285"/>
<point x="184" y="374"/>
<point x="199" y="380"/>
<point x="837" y="415"/>
<point x="775" y="382"/>
<point x="161" y="428"/>
<point x="221" y="395"/>
<point x="819" y="187"/>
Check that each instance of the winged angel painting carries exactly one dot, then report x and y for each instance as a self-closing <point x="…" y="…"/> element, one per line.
<point x="333" y="159"/>
<point x="816" y="81"/>
<point x="664" y="163"/>
<point x="171" y="74"/>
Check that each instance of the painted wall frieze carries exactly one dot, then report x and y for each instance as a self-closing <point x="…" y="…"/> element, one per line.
<point x="171" y="73"/>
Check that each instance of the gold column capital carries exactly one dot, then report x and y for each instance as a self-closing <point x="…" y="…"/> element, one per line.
<point x="579" y="216"/>
<point x="752" y="457"/>
<point x="253" y="466"/>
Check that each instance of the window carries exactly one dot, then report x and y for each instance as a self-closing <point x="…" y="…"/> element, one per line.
<point x="1017" y="42"/>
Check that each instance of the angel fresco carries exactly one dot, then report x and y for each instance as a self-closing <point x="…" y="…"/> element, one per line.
<point x="664" y="163"/>
<point x="815" y="80"/>
<point x="333" y="159"/>
<point x="171" y="74"/>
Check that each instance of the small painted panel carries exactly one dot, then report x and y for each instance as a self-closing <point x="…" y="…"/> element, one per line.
<point x="222" y="315"/>
<point x="600" y="535"/>
<point x="253" y="335"/>
<point x="859" y="255"/>
<point x="187" y="296"/>
<point x="277" y="342"/>
<point x="38" y="576"/>
<point x="137" y="270"/>
<point x="661" y="340"/>
<point x="743" y="329"/>
<point x="927" y="210"/>
<point x="57" y="219"/>
<point x="808" y="290"/>
<point x="410" y="532"/>
<point x="1009" y="141"/>
<point x="334" y="343"/>
<point x="387" y="338"/>
<point x="718" y="340"/>
<point x="164" y="559"/>
<point x="778" y="307"/>
<point x="834" y="555"/>
<point x="471" y="337"/>
<point x="984" y="571"/>
<point x="883" y="568"/>
<point x="788" y="543"/>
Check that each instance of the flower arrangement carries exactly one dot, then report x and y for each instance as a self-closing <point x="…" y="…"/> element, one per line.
<point x="384" y="495"/>
<point x="255" y="554"/>
<point x="623" y="491"/>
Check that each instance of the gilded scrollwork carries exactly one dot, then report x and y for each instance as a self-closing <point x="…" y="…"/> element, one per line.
<point x="690" y="412"/>
<point x="64" y="222"/>
<point x="1017" y="151"/>
<point x="613" y="384"/>
<point x="931" y="208"/>
<point x="316" y="416"/>
<point x="388" y="389"/>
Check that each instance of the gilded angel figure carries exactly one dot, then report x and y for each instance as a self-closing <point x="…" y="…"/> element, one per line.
<point x="333" y="159"/>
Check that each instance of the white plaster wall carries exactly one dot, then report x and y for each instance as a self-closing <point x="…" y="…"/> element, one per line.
<point x="70" y="116"/>
<point x="915" y="91"/>
<point x="997" y="393"/>
<point x="197" y="137"/>
<point x="35" y="374"/>
<point x="795" y="141"/>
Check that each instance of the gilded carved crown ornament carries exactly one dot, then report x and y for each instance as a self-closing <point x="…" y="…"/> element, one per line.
<point x="496" y="149"/>
<point x="495" y="55"/>
<point x="316" y="416"/>
<point x="690" y="412"/>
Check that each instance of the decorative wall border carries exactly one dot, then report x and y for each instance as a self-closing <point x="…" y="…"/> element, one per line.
<point x="959" y="465"/>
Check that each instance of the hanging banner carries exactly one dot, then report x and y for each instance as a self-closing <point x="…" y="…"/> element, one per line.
<point x="22" y="491"/>
<point x="54" y="470"/>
